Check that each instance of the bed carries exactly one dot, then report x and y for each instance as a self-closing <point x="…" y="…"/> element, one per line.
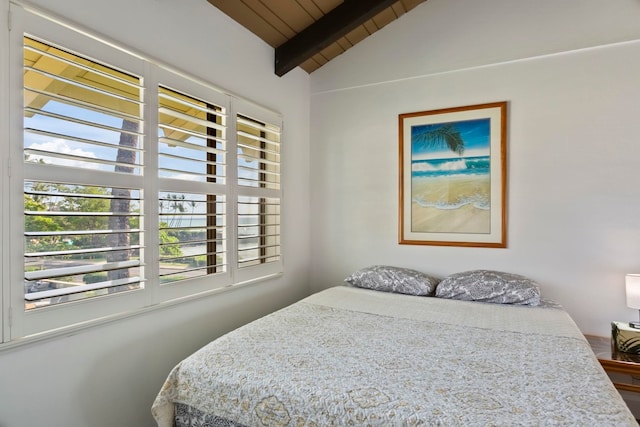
<point x="352" y="356"/>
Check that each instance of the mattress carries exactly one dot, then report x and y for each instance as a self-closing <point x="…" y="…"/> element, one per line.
<point x="349" y="356"/>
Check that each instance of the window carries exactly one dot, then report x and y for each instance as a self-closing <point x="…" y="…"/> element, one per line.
<point x="192" y="150"/>
<point x="81" y="132"/>
<point x="127" y="196"/>
<point x="258" y="178"/>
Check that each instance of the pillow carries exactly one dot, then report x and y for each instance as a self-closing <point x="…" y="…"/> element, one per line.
<point x="393" y="279"/>
<point x="490" y="286"/>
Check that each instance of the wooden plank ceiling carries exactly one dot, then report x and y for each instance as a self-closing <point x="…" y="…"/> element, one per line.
<point x="282" y="25"/>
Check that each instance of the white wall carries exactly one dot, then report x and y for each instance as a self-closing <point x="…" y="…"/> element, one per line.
<point x="569" y="71"/>
<point x="109" y="375"/>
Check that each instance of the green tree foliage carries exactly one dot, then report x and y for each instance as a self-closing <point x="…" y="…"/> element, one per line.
<point x="168" y="250"/>
<point x="60" y="198"/>
<point x="34" y="222"/>
<point x="81" y="203"/>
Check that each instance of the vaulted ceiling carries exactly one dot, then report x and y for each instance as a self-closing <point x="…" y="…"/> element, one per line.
<point x="310" y="33"/>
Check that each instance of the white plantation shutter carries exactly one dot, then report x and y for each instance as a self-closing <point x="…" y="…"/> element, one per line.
<point x="258" y="230"/>
<point x="258" y="154"/>
<point x="82" y="235"/>
<point x="192" y="199"/>
<point x="259" y="192"/>
<point x="84" y="109"/>
<point x="81" y="256"/>
<point x="191" y="138"/>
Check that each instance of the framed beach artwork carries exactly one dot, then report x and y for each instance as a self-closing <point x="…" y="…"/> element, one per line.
<point x="453" y="176"/>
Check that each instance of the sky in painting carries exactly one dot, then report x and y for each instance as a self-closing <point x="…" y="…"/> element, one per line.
<point x="474" y="133"/>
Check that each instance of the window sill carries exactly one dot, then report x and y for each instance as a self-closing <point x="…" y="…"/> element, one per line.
<point x="80" y="327"/>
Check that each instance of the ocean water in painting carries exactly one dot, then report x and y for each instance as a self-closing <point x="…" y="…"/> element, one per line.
<point x="450" y="167"/>
<point x="451" y="183"/>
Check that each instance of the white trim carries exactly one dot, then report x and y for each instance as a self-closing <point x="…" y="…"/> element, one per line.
<point x="478" y="67"/>
<point x="15" y="196"/>
<point x="150" y="239"/>
<point x="5" y="162"/>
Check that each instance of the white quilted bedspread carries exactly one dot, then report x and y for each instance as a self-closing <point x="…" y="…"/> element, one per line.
<point x="353" y="357"/>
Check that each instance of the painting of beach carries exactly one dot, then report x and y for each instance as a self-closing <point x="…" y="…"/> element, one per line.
<point x="453" y="176"/>
<point x="451" y="191"/>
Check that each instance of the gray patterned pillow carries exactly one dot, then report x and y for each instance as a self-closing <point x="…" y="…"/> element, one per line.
<point x="490" y="286"/>
<point x="393" y="279"/>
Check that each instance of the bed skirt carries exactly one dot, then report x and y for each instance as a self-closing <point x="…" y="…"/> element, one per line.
<point x="187" y="416"/>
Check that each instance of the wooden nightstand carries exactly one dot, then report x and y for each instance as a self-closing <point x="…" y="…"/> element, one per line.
<point x="618" y="362"/>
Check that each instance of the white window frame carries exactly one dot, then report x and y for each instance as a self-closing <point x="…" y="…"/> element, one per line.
<point x="4" y="187"/>
<point x="19" y="325"/>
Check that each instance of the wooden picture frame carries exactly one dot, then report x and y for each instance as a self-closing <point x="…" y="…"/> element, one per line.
<point x="453" y="176"/>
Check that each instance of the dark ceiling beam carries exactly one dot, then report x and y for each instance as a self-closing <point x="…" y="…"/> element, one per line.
<point x="337" y="23"/>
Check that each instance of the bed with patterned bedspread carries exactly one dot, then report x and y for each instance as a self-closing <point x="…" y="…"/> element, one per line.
<point x="355" y="357"/>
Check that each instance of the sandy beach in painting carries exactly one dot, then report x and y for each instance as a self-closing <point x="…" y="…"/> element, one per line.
<point x="451" y="204"/>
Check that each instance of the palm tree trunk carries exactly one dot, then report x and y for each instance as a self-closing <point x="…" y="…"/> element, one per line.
<point x="120" y="203"/>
